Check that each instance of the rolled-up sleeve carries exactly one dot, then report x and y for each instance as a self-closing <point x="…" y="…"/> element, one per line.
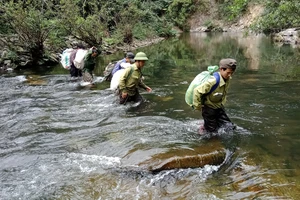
<point x="142" y="85"/>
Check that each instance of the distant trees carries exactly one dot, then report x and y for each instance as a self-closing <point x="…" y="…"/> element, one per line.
<point x="82" y="20"/>
<point x="31" y="24"/>
<point x="279" y="15"/>
<point x="38" y="23"/>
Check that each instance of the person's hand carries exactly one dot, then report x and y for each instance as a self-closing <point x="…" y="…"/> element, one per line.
<point x="149" y="89"/>
<point x="124" y="95"/>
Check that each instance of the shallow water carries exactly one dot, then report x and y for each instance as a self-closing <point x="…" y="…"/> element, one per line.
<point x="62" y="140"/>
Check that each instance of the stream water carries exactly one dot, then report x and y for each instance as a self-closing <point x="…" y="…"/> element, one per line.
<point x="62" y="140"/>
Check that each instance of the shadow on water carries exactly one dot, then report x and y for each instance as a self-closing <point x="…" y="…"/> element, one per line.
<point x="61" y="139"/>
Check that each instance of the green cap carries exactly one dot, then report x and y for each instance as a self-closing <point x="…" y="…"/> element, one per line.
<point x="140" y="56"/>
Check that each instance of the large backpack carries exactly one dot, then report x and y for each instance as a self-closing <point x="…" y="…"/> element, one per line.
<point x="107" y="73"/>
<point x="79" y="58"/>
<point x="65" y="58"/>
<point x="199" y="79"/>
<point x="114" y="84"/>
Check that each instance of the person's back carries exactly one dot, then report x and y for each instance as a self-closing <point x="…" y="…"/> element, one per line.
<point x="129" y="58"/>
<point x="117" y="66"/>
<point x="116" y="78"/>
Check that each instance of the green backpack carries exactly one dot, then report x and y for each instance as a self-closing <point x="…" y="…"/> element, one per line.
<point x="198" y="80"/>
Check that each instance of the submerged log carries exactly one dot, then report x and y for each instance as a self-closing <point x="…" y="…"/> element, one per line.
<point x="211" y="153"/>
<point x="196" y="161"/>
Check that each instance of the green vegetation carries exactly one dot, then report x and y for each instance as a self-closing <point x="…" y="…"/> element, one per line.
<point x="231" y="10"/>
<point x="32" y="27"/>
<point x="279" y="15"/>
<point x="38" y="27"/>
<point x="95" y="22"/>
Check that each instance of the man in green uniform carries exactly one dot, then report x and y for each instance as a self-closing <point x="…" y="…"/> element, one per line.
<point x="212" y="104"/>
<point x="131" y="80"/>
<point x="89" y="64"/>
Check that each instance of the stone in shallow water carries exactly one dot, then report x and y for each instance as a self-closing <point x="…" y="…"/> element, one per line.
<point x="35" y="80"/>
<point x="196" y="161"/>
<point x="211" y="153"/>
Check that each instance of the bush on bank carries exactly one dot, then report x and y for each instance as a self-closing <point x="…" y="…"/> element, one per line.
<point x="41" y="27"/>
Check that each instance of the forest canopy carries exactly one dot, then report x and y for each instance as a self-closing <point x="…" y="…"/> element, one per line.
<point x="114" y="22"/>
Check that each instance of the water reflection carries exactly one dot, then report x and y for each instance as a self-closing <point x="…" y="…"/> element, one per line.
<point x="250" y="46"/>
<point x="62" y="140"/>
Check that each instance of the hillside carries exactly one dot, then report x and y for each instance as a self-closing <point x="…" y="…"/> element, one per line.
<point x="200" y="21"/>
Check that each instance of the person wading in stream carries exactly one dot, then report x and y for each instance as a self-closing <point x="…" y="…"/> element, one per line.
<point x="212" y="103"/>
<point x="129" y="58"/>
<point x="89" y="64"/>
<point x="74" y="72"/>
<point x="131" y="80"/>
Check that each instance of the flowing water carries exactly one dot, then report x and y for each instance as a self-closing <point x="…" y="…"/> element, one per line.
<point x="62" y="140"/>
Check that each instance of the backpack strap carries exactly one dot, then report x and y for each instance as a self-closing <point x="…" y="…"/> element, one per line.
<point x="214" y="87"/>
<point x="131" y="71"/>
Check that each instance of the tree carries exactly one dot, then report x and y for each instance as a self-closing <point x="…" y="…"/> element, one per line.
<point x="30" y="25"/>
<point x="279" y="15"/>
<point x="83" y="21"/>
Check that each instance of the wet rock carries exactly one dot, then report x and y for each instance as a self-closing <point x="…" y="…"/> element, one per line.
<point x="195" y="161"/>
<point x="7" y="63"/>
<point x="200" y="29"/>
<point x="288" y="36"/>
<point x="211" y="153"/>
<point x="210" y="28"/>
<point x="35" y="80"/>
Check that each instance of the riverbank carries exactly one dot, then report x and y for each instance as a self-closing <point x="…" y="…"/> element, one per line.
<point x="23" y="60"/>
<point x="15" y="56"/>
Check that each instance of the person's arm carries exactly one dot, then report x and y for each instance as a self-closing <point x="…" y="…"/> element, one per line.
<point x="199" y="93"/>
<point x="143" y="85"/>
<point x="197" y="98"/>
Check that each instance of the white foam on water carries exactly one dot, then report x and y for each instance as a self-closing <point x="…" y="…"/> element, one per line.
<point x="21" y="78"/>
<point x="84" y="83"/>
<point x="88" y="163"/>
<point x="207" y="170"/>
<point x="172" y="176"/>
<point x="98" y="79"/>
